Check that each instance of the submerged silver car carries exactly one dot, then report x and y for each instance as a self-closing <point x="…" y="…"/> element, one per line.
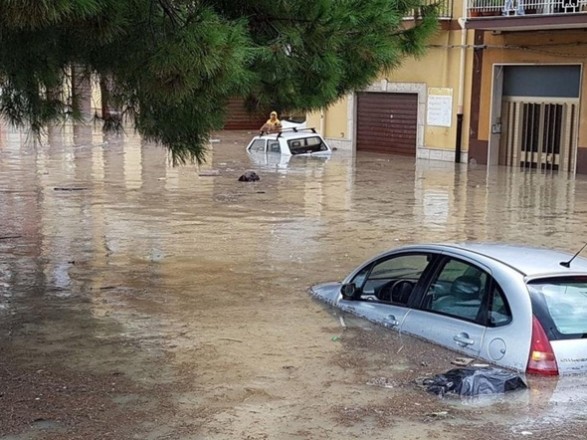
<point x="515" y="306"/>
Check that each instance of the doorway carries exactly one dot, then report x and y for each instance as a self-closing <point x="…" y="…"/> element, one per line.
<point x="535" y="116"/>
<point x="539" y="134"/>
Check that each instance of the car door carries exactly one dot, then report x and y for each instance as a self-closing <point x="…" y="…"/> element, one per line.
<point x="384" y="289"/>
<point x="506" y="343"/>
<point x="273" y="146"/>
<point x="450" y="310"/>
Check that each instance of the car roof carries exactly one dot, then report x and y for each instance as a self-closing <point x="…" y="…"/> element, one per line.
<point x="287" y="135"/>
<point x="528" y="260"/>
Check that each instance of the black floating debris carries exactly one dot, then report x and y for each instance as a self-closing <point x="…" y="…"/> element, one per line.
<point x="249" y="176"/>
<point x="474" y="382"/>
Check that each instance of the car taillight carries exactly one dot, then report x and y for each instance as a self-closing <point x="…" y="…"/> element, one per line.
<point x="542" y="360"/>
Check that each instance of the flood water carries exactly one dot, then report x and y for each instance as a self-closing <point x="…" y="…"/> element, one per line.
<point x="139" y="300"/>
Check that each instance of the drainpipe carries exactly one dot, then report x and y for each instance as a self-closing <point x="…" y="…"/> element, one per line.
<point x="463" y="23"/>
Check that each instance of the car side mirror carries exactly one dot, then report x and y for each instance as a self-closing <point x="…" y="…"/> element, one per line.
<point x="350" y="291"/>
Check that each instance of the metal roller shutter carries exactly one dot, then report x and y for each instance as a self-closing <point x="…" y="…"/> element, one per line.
<point x="387" y="122"/>
<point x="238" y="118"/>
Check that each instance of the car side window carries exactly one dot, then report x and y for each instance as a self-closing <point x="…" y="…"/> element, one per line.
<point x="392" y="280"/>
<point x="499" y="310"/>
<point x="273" y="146"/>
<point x="258" y="145"/>
<point x="316" y="144"/>
<point x="457" y="290"/>
<point x="295" y="146"/>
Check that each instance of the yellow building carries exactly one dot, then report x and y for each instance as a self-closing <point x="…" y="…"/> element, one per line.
<point x="501" y="84"/>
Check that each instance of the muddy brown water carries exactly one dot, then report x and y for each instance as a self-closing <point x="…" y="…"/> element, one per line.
<point x="143" y="301"/>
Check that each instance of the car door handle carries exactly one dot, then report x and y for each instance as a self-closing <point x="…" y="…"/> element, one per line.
<point x="463" y="339"/>
<point x="390" y="321"/>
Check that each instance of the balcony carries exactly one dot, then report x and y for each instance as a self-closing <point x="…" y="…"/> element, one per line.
<point x="526" y="15"/>
<point x="444" y="9"/>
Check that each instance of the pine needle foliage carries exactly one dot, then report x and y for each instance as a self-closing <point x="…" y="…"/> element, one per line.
<point x="175" y="63"/>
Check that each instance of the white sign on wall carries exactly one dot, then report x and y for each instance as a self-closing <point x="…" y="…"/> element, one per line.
<point x="439" y="108"/>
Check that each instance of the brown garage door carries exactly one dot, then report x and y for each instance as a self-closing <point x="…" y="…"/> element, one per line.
<point x="387" y="122"/>
<point x="238" y="118"/>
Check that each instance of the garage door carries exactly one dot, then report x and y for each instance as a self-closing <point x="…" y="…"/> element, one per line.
<point x="387" y="122"/>
<point x="238" y="118"/>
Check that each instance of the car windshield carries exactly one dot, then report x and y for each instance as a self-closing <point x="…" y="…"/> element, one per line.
<point x="311" y="144"/>
<point x="565" y="300"/>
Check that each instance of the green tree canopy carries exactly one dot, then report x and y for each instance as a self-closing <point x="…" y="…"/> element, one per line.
<point x="175" y="63"/>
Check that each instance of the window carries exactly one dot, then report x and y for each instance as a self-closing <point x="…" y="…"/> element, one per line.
<point x="565" y="300"/>
<point x="273" y="146"/>
<point x="457" y="290"/>
<point x="313" y="141"/>
<point x="393" y="279"/>
<point x="310" y="144"/>
<point x="499" y="310"/>
<point x="361" y="276"/>
<point x="258" y="145"/>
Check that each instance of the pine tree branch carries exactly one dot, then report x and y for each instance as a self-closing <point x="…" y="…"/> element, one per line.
<point x="171" y="12"/>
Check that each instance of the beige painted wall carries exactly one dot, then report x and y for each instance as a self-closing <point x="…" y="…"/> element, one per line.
<point x="440" y="67"/>
<point x="539" y="47"/>
<point x="335" y="122"/>
<point x="313" y="120"/>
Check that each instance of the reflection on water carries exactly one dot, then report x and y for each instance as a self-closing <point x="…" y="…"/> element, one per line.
<point x="269" y="160"/>
<point x="101" y="229"/>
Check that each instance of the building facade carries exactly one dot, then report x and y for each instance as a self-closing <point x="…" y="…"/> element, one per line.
<point x="500" y="84"/>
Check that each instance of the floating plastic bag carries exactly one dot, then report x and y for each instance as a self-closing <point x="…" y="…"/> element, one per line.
<point x="474" y="382"/>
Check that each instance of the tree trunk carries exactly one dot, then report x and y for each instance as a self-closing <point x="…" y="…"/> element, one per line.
<point x="105" y="92"/>
<point x="81" y="92"/>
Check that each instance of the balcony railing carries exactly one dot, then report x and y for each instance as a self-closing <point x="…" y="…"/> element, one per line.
<point x="480" y="8"/>
<point x="444" y="8"/>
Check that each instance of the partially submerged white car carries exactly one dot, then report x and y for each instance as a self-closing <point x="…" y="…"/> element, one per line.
<point x="518" y="307"/>
<point x="290" y="142"/>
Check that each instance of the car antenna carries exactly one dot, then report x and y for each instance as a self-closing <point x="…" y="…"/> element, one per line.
<point x="568" y="263"/>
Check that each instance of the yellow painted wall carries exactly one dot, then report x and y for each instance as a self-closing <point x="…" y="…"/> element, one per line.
<point x="336" y="120"/>
<point x="335" y="124"/>
<point x="313" y="120"/>
<point x="531" y="48"/>
<point x="439" y="67"/>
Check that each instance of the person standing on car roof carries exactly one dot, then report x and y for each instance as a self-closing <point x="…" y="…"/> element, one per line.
<point x="273" y="124"/>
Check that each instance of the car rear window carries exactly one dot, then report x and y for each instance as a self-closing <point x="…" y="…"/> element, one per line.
<point x="564" y="302"/>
